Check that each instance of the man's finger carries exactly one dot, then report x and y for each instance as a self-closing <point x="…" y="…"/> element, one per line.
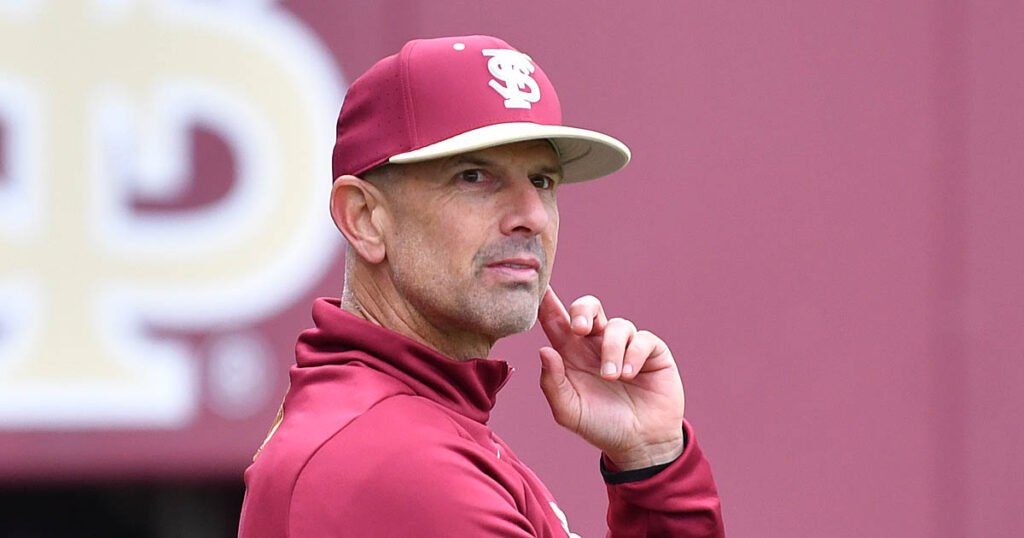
<point x="561" y="396"/>
<point x="587" y="316"/>
<point x="553" y="318"/>
<point x="642" y="347"/>
<point x="613" y="347"/>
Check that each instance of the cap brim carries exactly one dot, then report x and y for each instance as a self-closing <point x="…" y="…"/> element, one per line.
<point x="584" y="154"/>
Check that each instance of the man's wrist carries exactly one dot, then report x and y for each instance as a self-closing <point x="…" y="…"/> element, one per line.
<point x="634" y="475"/>
<point x="648" y="456"/>
<point x="640" y="469"/>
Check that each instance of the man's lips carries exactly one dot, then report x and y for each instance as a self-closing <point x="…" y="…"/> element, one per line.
<point x="522" y="270"/>
<point x="517" y="264"/>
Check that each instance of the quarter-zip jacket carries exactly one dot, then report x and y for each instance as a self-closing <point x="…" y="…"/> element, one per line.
<point x="383" y="436"/>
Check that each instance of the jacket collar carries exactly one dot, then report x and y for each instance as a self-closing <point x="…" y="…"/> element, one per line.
<point x="469" y="388"/>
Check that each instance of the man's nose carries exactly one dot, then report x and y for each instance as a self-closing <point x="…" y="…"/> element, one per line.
<point x="526" y="209"/>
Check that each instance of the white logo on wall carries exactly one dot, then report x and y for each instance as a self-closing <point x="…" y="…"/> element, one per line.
<point x="515" y="70"/>
<point x="97" y="115"/>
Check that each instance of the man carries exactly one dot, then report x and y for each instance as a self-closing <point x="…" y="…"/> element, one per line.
<point x="447" y="163"/>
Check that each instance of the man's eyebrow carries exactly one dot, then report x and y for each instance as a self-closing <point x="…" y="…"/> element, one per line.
<point x="552" y="170"/>
<point x="469" y="159"/>
<point x="483" y="162"/>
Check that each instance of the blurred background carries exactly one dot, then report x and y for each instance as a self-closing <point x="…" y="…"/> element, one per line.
<point x="823" y="218"/>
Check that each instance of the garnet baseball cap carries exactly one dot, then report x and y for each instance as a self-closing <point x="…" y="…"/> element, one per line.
<point x="445" y="96"/>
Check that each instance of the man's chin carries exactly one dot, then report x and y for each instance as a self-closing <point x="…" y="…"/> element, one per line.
<point x="500" y="311"/>
<point x="513" y="315"/>
<point x="511" y="327"/>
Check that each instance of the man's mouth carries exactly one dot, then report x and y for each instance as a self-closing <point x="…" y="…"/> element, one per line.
<point x="518" y="263"/>
<point x="516" y="269"/>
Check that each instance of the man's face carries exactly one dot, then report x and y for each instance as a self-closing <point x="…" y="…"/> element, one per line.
<point x="473" y="236"/>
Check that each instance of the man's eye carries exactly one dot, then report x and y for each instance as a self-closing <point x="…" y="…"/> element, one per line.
<point x="471" y="176"/>
<point x="542" y="182"/>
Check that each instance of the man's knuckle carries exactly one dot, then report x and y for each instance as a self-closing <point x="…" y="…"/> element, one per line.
<point x="622" y="324"/>
<point x="647" y="336"/>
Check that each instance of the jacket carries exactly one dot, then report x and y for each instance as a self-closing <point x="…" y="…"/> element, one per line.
<point x="383" y="436"/>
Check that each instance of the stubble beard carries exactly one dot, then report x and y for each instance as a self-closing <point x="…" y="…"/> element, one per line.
<point x="511" y="308"/>
<point x="472" y="305"/>
<point x="508" y="310"/>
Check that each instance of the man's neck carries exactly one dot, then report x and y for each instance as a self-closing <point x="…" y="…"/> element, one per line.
<point x="383" y="306"/>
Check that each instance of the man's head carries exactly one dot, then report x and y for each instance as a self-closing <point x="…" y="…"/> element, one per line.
<point x="448" y="158"/>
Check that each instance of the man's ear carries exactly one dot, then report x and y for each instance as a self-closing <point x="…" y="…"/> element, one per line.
<point x="353" y="203"/>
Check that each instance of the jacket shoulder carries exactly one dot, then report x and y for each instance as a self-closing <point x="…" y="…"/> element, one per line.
<point x="406" y="465"/>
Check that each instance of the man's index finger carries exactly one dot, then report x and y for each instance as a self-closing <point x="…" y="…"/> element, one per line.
<point x="553" y="317"/>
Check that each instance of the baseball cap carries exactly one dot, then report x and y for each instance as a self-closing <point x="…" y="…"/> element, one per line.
<point x="445" y="96"/>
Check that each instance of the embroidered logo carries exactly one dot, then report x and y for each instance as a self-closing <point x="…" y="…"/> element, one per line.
<point x="512" y="70"/>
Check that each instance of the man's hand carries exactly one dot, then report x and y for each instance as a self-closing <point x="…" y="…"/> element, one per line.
<point x="611" y="384"/>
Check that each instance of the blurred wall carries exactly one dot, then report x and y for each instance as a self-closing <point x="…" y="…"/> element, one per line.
<point x="823" y="219"/>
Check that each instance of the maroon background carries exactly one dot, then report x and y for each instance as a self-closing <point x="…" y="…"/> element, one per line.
<point x="823" y="219"/>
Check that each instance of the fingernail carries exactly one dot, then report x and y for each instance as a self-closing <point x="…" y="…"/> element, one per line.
<point x="608" y="369"/>
<point x="627" y="369"/>
<point x="579" y="321"/>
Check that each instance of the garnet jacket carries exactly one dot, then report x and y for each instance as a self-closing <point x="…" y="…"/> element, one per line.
<point x="382" y="436"/>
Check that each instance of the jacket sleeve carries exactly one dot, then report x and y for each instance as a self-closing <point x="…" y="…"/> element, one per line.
<point x="678" y="499"/>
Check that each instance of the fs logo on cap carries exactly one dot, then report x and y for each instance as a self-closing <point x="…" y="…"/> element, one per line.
<point x="514" y="69"/>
